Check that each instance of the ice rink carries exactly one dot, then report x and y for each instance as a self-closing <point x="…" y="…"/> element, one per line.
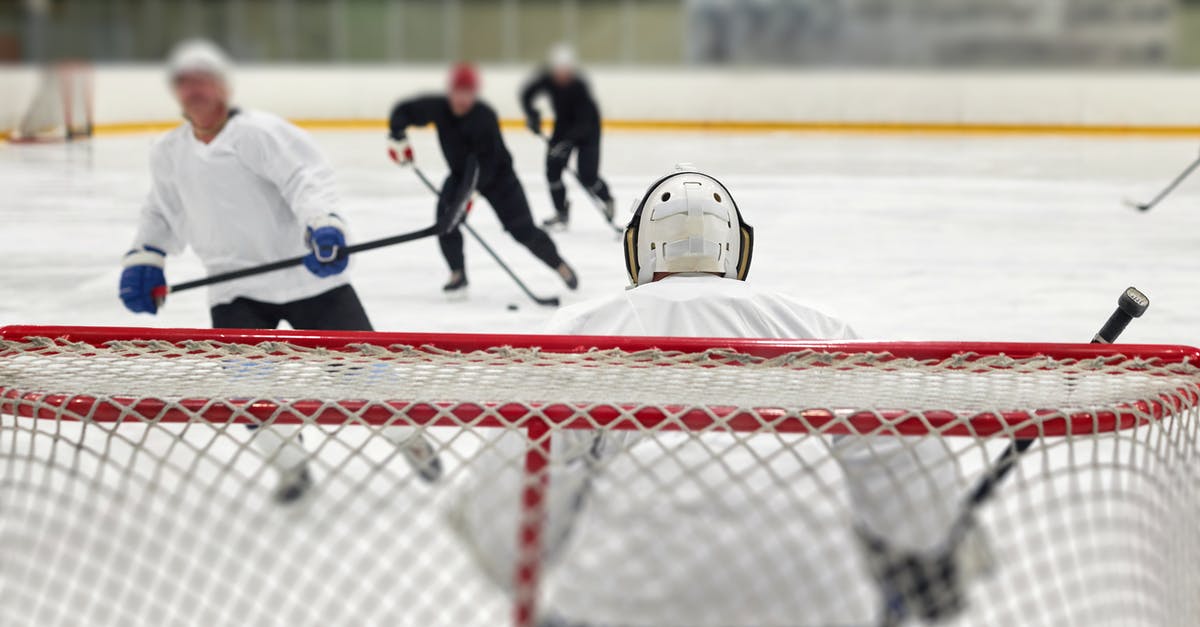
<point x="905" y="236"/>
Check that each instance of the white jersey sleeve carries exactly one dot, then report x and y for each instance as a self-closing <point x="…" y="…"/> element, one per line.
<point x="154" y="228"/>
<point x="285" y="155"/>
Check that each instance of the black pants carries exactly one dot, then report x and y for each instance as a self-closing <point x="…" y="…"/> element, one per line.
<point x="506" y="196"/>
<point x="336" y="310"/>
<point x="588" y="161"/>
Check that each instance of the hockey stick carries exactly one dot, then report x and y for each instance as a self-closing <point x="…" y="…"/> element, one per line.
<point x="545" y="302"/>
<point x="1170" y="188"/>
<point x="599" y="204"/>
<point x="294" y="261"/>
<point x="1132" y="304"/>
<point x="466" y="192"/>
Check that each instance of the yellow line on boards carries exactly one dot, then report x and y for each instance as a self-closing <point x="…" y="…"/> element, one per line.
<point x="118" y="128"/>
<point x="900" y="128"/>
<point x="817" y="127"/>
<point x="121" y="128"/>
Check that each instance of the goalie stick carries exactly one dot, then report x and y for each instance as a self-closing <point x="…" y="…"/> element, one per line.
<point x="932" y="591"/>
<point x="461" y="217"/>
<point x="1170" y="188"/>
<point x="596" y="202"/>
<point x="161" y="293"/>
<point x="1132" y="304"/>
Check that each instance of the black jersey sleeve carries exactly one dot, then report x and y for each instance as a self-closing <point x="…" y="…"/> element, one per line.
<point x="414" y="112"/>
<point x="539" y="83"/>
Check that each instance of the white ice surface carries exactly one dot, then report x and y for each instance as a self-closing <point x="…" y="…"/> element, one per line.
<point x="904" y="236"/>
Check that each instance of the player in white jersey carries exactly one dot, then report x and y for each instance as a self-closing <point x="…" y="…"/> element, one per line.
<point x="244" y="188"/>
<point x="641" y="559"/>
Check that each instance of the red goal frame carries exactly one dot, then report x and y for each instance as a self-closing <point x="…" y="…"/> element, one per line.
<point x="499" y="414"/>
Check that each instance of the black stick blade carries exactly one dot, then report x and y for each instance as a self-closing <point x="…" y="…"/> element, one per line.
<point x="1136" y="205"/>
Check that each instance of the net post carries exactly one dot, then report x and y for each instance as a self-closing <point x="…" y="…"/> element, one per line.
<point x="532" y="516"/>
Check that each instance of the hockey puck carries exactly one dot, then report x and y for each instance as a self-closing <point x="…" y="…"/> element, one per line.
<point x="512" y="306"/>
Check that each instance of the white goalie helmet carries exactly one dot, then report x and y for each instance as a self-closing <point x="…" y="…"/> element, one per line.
<point x="687" y="221"/>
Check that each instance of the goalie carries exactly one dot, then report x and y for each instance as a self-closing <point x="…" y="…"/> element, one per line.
<point x="678" y="561"/>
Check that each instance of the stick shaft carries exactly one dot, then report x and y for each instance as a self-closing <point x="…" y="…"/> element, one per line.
<point x="1108" y="334"/>
<point x="521" y="284"/>
<point x="295" y="261"/>
<point x="552" y="301"/>
<point x="1113" y="328"/>
<point x="1170" y="188"/>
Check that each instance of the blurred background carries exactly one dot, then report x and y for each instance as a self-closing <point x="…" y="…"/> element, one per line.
<point x="835" y="33"/>
<point x="917" y="65"/>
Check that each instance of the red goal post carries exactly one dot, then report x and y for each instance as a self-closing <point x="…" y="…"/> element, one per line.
<point x="1097" y="405"/>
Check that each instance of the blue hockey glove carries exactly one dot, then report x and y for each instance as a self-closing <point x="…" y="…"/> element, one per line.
<point x="143" y="286"/>
<point x="326" y="239"/>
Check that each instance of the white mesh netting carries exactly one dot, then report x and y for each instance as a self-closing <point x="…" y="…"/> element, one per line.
<point x="61" y="107"/>
<point x="674" y="486"/>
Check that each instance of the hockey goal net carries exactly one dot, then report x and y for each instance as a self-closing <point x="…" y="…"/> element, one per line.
<point x="590" y="481"/>
<point x="61" y="107"/>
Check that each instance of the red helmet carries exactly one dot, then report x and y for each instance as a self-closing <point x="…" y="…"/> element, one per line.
<point x="464" y="76"/>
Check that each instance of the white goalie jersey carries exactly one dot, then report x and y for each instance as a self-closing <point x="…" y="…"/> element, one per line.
<point x="700" y="305"/>
<point x="609" y="520"/>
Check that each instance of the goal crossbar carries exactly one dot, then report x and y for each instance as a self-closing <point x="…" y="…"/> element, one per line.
<point x="501" y="356"/>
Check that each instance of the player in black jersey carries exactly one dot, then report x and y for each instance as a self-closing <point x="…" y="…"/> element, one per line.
<point x="469" y="133"/>
<point x="576" y="129"/>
